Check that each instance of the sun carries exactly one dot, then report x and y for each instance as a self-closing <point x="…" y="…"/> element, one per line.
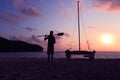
<point x="107" y="39"/>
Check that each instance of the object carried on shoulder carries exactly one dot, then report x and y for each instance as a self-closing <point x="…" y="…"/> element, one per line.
<point x="58" y="34"/>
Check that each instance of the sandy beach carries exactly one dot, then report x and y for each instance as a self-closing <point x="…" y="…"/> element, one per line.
<point x="60" y="69"/>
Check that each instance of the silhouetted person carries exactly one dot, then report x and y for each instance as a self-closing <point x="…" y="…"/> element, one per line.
<point x="50" y="48"/>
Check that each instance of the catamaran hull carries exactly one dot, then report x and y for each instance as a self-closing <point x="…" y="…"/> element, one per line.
<point x="90" y="54"/>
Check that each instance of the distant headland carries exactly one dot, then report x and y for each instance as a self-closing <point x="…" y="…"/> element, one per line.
<point x="18" y="46"/>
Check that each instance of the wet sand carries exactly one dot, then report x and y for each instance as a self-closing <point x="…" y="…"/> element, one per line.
<point x="60" y="69"/>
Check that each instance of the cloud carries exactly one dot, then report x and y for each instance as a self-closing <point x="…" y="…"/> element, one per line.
<point x="67" y="12"/>
<point x="11" y="18"/>
<point x="22" y="38"/>
<point x="66" y="35"/>
<point x="106" y="5"/>
<point x="92" y="27"/>
<point x="18" y="3"/>
<point x="29" y="29"/>
<point x="13" y="38"/>
<point x="31" y="11"/>
<point x="33" y="39"/>
<point x="63" y="10"/>
<point x="22" y="6"/>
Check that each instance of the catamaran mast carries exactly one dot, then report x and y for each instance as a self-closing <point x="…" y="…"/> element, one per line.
<point x="78" y="25"/>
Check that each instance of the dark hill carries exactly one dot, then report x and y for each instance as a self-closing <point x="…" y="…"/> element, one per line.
<point x="18" y="46"/>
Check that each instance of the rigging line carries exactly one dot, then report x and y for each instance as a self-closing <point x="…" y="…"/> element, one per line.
<point x="86" y="37"/>
<point x="73" y="32"/>
<point x="85" y="32"/>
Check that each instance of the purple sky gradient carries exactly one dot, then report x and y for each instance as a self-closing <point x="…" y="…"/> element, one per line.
<point x="25" y="19"/>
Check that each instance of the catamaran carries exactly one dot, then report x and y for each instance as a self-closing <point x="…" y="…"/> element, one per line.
<point x="89" y="54"/>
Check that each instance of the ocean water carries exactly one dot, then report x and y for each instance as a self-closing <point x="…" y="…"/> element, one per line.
<point x="98" y="55"/>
